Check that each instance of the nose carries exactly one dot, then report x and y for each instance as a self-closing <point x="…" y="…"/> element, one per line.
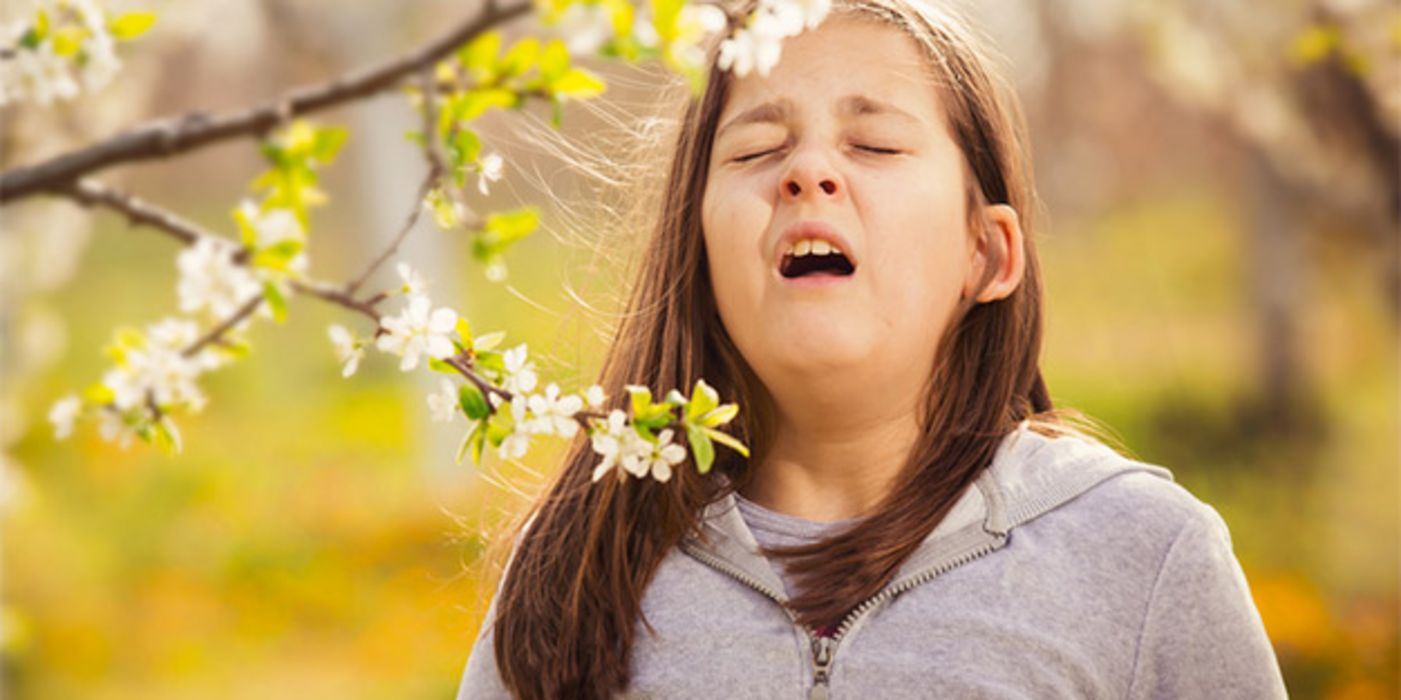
<point x="810" y="175"/>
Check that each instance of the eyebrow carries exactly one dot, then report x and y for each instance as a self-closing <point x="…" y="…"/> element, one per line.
<point x="779" y="111"/>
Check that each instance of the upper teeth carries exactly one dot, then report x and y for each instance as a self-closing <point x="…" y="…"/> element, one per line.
<point x="812" y="246"/>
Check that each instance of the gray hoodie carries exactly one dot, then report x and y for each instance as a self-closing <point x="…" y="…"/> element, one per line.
<point x="1068" y="572"/>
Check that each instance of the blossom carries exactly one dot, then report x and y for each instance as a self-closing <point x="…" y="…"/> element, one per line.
<point x="757" y="46"/>
<point x="40" y="73"/>
<point x="443" y="402"/>
<point x="585" y="27"/>
<point x="554" y="414"/>
<point x="519" y="376"/>
<point x="63" y="413"/>
<point x="490" y="170"/>
<point x="693" y="24"/>
<point x="272" y="226"/>
<point x="211" y="282"/>
<point x="158" y="368"/>
<point x="114" y="427"/>
<point x="348" y="349"/>
<point x="419" y="328"/>
<point x="594" y="396"/>
<point x="657" y="457"/>
<point x="515" y="445"/>
<point x="617" y="442"/>
<point x="414" y="283"/>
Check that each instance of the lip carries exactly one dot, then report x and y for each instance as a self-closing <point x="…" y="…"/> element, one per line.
<point x="821" y="231"/>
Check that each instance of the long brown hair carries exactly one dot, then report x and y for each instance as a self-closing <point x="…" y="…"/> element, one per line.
<point x="567" y="608"/>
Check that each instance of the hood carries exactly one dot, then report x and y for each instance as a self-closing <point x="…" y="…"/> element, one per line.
<point x="1030" y="474"/>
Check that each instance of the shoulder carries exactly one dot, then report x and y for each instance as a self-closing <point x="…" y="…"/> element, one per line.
<point x="1085" y="494"/>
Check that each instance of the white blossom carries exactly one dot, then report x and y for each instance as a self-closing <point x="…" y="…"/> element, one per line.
<point x="41" y="75"/>
<point x="584" y="27"/>
<point x="657" y="458"/>
<point x="618" y="443"/>
<point x="757" y="46"/>
<point x="414" y="283"/>
<point x="159" y="369"/>
<point x="443" y="402"/>
<point x="113" y="427"/>
<point x="348" y="349"/>
<point x="272" y="226"/>
<point x="418" y="329"/>
<point x="519" y="376"/>
<point x="553" y="414"/>
<point x="518" y="442"/>
<point x="210" y="282"/>
<point x="63" y="413"/>
<point x="594" y="396"/>
<point x="490" y="170"/>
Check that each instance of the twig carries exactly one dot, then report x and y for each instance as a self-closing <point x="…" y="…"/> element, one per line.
<point x="218" y="331"/>
<point x="398" y="239"/>
<point x="89" y="192"/>
<point x="176" y="135"/>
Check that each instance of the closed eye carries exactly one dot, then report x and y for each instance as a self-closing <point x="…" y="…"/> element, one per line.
<point x="878" y="150"/>
<point x="870" y="149"/>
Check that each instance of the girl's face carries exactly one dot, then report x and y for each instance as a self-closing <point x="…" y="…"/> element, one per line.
<point x="843" y="142"/>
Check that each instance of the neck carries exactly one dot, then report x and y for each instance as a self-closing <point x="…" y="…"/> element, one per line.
<point x="832" y="465"/>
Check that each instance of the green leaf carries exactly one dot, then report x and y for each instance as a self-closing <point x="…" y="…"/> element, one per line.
<point x="68" y="40"/>
<point x="31" y="38"/>
<point x="719" y="416"/>
<point x="554" y="61"/>
<point x="464" y="330"/>
<point x="476" y="102"/>
<point x="479" y="55"/>
<point x="40" y="28"/>
<point x="509" y="227"/>
<point x="522" y="56"/>
<point x="472" y="401"/>
<point x="726" y="440"/>
<point x="641" y="398"/>
<point x="278" y="255"/>
<point x="467" y="440"/>
<point x="131" y="24"/>
<point x="488" y="341"/>
<point x="499" y="426"/>
<point x="327" y="143"/>
<point x="99" y="394"/>
<point x="167" y="436"/>
<point x="578" y="84"/>
<point x="665" y="16"/>
<point x="703" y="400"/>
<point x="439" y="366"/>
<point x="491" y="361"/>
<point x="477" y="446"/>
<point x="702" y="449"/>
<point x="276" y="301"/>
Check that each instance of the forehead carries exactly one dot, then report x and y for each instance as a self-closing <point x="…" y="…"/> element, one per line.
<point x="851" y="67"/>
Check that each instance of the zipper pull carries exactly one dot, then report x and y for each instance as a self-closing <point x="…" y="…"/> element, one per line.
<point x="821" y="659"/>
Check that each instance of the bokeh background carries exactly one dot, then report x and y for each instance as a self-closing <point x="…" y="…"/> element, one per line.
<point x="1220" y="241"/>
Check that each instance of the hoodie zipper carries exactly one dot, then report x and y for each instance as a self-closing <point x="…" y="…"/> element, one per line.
<point x="824" y="647"/>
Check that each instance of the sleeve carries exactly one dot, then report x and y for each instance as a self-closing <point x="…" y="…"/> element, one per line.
<point x="1202" y="635"/>
<point x="480" y="679"/>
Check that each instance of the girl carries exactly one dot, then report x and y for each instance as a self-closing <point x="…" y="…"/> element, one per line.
<point x="844" y="248"/>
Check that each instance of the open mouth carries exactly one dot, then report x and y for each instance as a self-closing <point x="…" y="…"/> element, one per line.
<point x="832" y="264"/>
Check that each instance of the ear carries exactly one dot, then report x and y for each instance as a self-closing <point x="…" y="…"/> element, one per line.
<point x="1002" y="234"/>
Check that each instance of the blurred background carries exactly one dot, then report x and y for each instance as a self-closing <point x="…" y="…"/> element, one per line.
<point x="1219" y="235"/>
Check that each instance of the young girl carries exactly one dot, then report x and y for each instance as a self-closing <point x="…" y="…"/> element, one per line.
<point x="844" y="248"/>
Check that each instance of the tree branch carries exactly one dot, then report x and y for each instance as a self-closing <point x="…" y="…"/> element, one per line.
<point x="177" y="135"/>
<point x="89" y="192"/>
